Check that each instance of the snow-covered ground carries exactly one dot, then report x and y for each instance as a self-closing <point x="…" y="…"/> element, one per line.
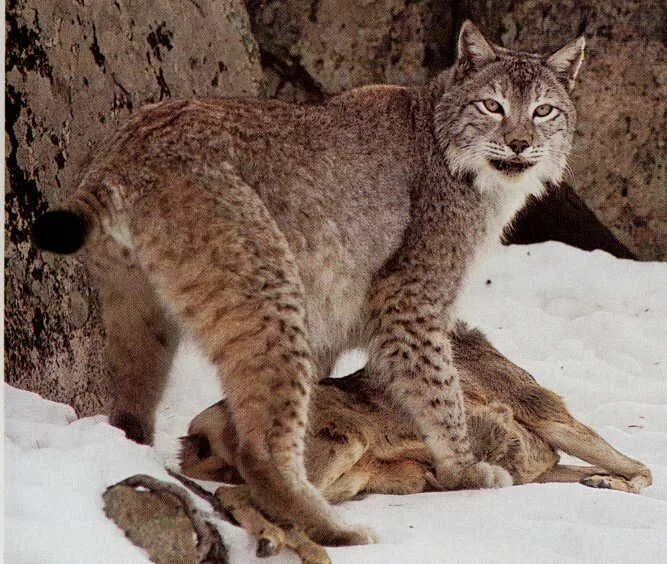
<point x="591" y="327"/>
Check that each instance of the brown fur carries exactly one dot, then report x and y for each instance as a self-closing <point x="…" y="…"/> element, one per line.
<point x="358" y="442"/>
<point x="280" y="235"/>
<point x="513" y="421"/>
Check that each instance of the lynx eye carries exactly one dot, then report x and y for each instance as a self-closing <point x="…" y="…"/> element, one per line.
<point x="494" y="107"/>
<point x="543" y="110"/>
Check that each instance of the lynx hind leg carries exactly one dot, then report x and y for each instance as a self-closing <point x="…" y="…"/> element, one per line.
<point x="237" y="500"/>
<point x="141" y="339"/>
<point x="212" y="249"/>
<point x="410" y="354"/>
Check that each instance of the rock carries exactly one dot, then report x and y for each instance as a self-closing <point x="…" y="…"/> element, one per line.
<point x="561" y="215"/>
<point x="74" y="71"/>
<point x="164" y="520"/>
<point x="333" y="45"/>
<point x="155" y="521"/>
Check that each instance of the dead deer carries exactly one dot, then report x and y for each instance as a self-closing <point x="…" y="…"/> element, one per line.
<point x="358" y="442"/>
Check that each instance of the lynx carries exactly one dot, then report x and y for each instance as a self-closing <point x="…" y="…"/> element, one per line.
<point x="358" y="442"/>
<point x="280" y="235"/>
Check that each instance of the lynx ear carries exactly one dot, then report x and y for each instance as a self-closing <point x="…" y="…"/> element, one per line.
<point x="474" y="50"/>
<point x="566" y="61"/>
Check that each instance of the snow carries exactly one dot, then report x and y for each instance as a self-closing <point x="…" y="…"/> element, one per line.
<point x="587" y="325"/>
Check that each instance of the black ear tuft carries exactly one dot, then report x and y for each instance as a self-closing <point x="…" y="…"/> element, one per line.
<point x="60" y="231"/>
<point x="566" y="62"/>
<point x="474" y="51"/>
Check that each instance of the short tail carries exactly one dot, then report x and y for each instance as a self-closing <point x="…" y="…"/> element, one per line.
<point x="67" y="229"/>
<point x="61" y="231"/>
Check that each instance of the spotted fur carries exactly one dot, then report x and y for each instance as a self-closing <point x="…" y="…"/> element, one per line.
<point x="280" y="235"/>
<point x="358" y="443"/>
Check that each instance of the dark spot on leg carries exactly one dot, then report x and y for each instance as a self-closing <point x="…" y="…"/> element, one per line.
<point x="296" y="330"/>
<point x="298" y="386"/>
<point x="425" y="360"/>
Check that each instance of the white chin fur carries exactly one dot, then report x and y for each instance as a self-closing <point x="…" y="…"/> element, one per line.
<point x="508" y="193"/>
<point x="489" y="180"/>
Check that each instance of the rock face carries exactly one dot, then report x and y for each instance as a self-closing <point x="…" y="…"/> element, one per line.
<point x="74" y="71"/>
<point x="332" y="45"/>
<point x="77" y="69"/>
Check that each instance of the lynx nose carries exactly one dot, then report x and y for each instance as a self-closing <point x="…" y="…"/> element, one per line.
<point x="518" y="145"/>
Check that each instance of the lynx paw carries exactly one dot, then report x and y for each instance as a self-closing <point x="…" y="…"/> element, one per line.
<point x="485" y="475"/>
<point x="479" y="475"/>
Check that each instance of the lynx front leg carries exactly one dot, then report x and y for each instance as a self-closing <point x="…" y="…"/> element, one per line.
<point x="212" y="249"/>
<point x="410" y="356"/>
<point x="537" y="408"/>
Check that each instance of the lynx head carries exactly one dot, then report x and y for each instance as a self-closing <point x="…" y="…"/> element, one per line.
<point x="506" y="118"/>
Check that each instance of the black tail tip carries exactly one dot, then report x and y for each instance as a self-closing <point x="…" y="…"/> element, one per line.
<point x="59" y="231"/>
